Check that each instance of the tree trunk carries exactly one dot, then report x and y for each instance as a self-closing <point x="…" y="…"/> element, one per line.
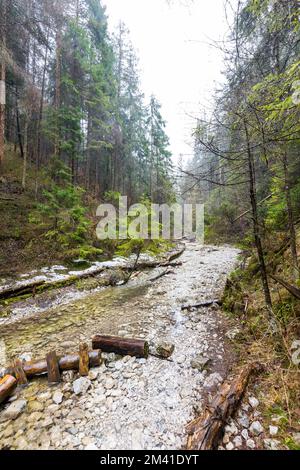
<point x="291" y="219"/>
<point x="256" y="228"/>
<point x="3" y="86"/>
<point x="58" y="89"/>
<point x="25" y="154"/>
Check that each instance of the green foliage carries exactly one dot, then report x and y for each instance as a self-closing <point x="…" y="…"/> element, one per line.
<point x="62" y="214"/>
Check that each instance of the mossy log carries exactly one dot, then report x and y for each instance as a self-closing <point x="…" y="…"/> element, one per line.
<point x="65" y="363"/>
<point x="7" y="385"/>
<point x="122" y="346"/>
<point x="205" y="432"/>
<point x="28" y="289"/>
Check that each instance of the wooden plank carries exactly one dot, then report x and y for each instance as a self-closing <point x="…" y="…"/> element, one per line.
<point x="53" y="368"/>
<point x="84" y="360"/>
<point x="19" y="372"/>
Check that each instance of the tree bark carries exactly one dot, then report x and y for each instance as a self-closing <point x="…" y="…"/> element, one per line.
<point x="84" y="360"/>
<point x="206" y="431"/>
<point x="122" y="346"/>
<point x="25" y="156"/>
<point x="256" y="228"/>
<point x="291" y="223"/>
<point x="53" y="368"/>
<point x="3" y="85"/>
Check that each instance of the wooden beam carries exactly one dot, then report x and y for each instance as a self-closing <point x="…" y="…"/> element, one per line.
<point x="53" y="368"/>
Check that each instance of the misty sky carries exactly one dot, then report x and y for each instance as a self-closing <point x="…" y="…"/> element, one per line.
<point x="176" y="62"/>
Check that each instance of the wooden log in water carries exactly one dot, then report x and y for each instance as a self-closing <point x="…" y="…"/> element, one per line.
<point x="19" y="372"/>
<point x="66" y="363"/>
<point x="20" y="290"/>
<point x="53" y="368"/>
<point x="7" y="385"/>
<point x="206" y="431"/>
<point x="84" y="360"/>
<point x="122" y="346"/>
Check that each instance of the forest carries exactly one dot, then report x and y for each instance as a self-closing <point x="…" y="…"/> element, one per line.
<point x="75" y="126"/>
<point x="216" y="323"/>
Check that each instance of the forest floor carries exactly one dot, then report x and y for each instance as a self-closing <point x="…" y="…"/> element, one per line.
<point x="131" y="403"/>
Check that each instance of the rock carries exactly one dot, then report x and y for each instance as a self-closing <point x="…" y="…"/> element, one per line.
<point x="250" y="443"/>
<point x="68" y="376"/>
<point x="256" y="428"/>
<point x="109" y="384"/>
<point x="231" y="429"/>
<point x="93" y="374"/>
<point x="81" y="385"/>
<point x="253" y="402"/>
<point x="91" y="447"/>
<point x="181" y="360"/>
<point x="213" y="380"/>
<point x="233" y="334"/>
<point x="35" y="417"/>
<point x="273" y="430"/>
<point x="244" y="421"/>
<point x="226" y="439"/>
<point x="200" y="363"/>
<point x="76" y="414"/>
<point x="229" y="446"/>
<point x="271" y="444"/>
<point x="164" y="349"/>
<point x="296" y="437"/>
<point x="245" y="434"/>
<point x="43" y="397"/>
<point x="14" y="410"/>
<point x="238" y="441"/>
<point x="57" y="398"/>
<point x="35" y="406"/>
<point x="67" y="345"/>
<point x="8" y="432"/>
<point x="21" y="443"/>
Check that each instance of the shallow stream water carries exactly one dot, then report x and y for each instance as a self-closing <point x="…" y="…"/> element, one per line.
<point x="132" y="403"/>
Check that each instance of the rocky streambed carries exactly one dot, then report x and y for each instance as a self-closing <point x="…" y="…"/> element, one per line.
<point x="128" y="403"/>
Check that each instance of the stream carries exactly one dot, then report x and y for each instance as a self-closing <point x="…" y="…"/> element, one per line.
<point x="129" y="403"/>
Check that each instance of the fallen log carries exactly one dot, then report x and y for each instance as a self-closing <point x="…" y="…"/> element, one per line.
<point x="205" y="432"/>
<point x="122" y="346"/>
<point x="33" y="288"/>
<point x="159" y="276"/>
<point x="7" y="385"/>
<point x="66" y="363"/>
<point x="295" y="291"/>
<point x="207" y="303"/>
<point x="20" y="290"/>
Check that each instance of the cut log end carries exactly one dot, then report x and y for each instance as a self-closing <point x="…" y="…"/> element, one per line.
<point x="7" y="386"/>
